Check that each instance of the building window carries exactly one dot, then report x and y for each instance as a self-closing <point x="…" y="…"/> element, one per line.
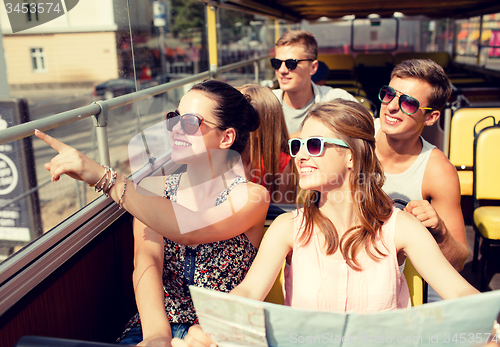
<point x="32" y="9"/>
<point x="38" y="60"/>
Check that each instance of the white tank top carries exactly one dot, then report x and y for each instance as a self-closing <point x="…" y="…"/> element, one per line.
<point x="407" y="185"/>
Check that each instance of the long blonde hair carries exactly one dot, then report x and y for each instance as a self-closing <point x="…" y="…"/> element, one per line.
<point x="353" y="124"/>
<point x="269" y="140"/>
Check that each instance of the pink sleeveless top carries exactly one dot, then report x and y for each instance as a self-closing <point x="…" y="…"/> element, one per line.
<point x="315" y="281"/>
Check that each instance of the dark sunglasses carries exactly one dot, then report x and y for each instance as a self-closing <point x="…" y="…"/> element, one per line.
<point x="291" y="64"/>
<point x="407" y="104"/>
<point x="190" y="123"/>
<point x="314" y="145"/>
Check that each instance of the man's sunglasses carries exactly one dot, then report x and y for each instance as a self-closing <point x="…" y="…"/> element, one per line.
<point x="291" y="64"/>
<point x="314" y="145"/>
<point x="190" y="123"/>
<point x="407" y="104"/>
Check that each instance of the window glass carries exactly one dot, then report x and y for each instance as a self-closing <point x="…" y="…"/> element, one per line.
<point x="38" y="59"/>
<point x="375" y="34"/>
<point x="399" y="34"/>
<point x="490" y="42"/>
<point x="95" y="50"/>
<point x="243" y="36"/>
<point x="467" y="35"/>
<point x="479" y="43"/>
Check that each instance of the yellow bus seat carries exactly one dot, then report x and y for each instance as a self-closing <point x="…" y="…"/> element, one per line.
<point x="467" y="80"/>
<point x="374" y="60"/>
<point x="343" y="83"/>
<point x="486" y="195"/>
<point x="275" y="295"/>
<point x="465" y="178"/>
<point x="415" y="283"/>
<point x="462" y="139"/>
<point x="441" y="58"/>
<point x="338" y="61"/>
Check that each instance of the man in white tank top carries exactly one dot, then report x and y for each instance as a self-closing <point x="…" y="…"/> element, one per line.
<point x="415" y="170"/>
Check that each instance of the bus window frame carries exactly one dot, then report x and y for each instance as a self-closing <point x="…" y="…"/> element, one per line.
<point x="374" y="20"/>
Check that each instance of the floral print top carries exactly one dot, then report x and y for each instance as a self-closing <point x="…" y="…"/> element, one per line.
<point x="220" y="265"/>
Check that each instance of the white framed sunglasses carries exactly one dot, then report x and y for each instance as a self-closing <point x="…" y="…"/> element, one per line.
<point x="314" y="145"/>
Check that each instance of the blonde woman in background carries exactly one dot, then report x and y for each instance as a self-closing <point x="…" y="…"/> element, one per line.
<point x="266" y="158"/>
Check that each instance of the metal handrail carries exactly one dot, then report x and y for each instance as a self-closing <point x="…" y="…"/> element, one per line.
<point x="236" y="65"/>
<point x="99" y="110"/>
<point x="20" y="131"/>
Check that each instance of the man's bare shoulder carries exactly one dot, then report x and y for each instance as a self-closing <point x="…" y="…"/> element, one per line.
<point x="439" y="162"/>
<point x="440" y="175"/>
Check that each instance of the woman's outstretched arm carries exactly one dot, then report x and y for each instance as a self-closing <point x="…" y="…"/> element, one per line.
<point x="417" y="243"/>
<point x="276" y="244"/>
<point x="244" y="210"/>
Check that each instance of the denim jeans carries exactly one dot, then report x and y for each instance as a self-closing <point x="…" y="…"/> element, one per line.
<point x="134" y="335"/>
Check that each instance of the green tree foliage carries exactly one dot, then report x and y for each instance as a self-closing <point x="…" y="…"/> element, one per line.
<point x="232" y="24"/>
<point x="187" y="16"/>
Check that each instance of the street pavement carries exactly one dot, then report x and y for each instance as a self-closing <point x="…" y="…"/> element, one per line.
<point x="123" y="124"/>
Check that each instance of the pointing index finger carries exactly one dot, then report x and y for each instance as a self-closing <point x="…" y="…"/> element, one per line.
<point x="52" y="142"/>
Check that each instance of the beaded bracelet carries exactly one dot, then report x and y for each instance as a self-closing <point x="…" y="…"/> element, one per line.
<point x="120" y="202"/>
<point x="99" y="185"/>
<point x="107" y="182"/>
<point x="95" y="184"/>
<point x="111" y="183"/>
<point x="103" y="184"/>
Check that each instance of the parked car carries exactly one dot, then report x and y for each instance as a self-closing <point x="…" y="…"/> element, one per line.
<point x="113" y="88"/>
<point x="121" y="86"/>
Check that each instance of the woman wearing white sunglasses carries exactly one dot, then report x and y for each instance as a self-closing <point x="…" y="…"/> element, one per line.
<point x="206" y="228"/>
<point x="343" y="245"/>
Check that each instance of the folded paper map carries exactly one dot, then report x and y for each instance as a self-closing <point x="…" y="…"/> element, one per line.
<point x="235" y="321"/>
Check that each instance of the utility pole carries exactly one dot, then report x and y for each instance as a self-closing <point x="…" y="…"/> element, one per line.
<point x="160" y="21"/>
<point x="4" y="84"/>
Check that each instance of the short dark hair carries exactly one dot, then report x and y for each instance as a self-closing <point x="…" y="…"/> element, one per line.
<point x="431" y="72"/>
<point x="300" y="37"/>
<point x="233" y="110"/>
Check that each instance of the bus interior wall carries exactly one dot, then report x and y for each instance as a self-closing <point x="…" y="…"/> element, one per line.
<point x="89" y="298"/>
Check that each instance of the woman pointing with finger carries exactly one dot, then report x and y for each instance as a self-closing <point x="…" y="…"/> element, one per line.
<point x="205" y="229"/>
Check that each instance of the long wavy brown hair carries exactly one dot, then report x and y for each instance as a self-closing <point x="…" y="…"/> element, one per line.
<point x="352" y="123"/>
<point x="269" y="140"/>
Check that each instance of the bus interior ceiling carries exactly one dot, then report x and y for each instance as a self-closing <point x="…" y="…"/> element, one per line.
<point x="90" y="297"/>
